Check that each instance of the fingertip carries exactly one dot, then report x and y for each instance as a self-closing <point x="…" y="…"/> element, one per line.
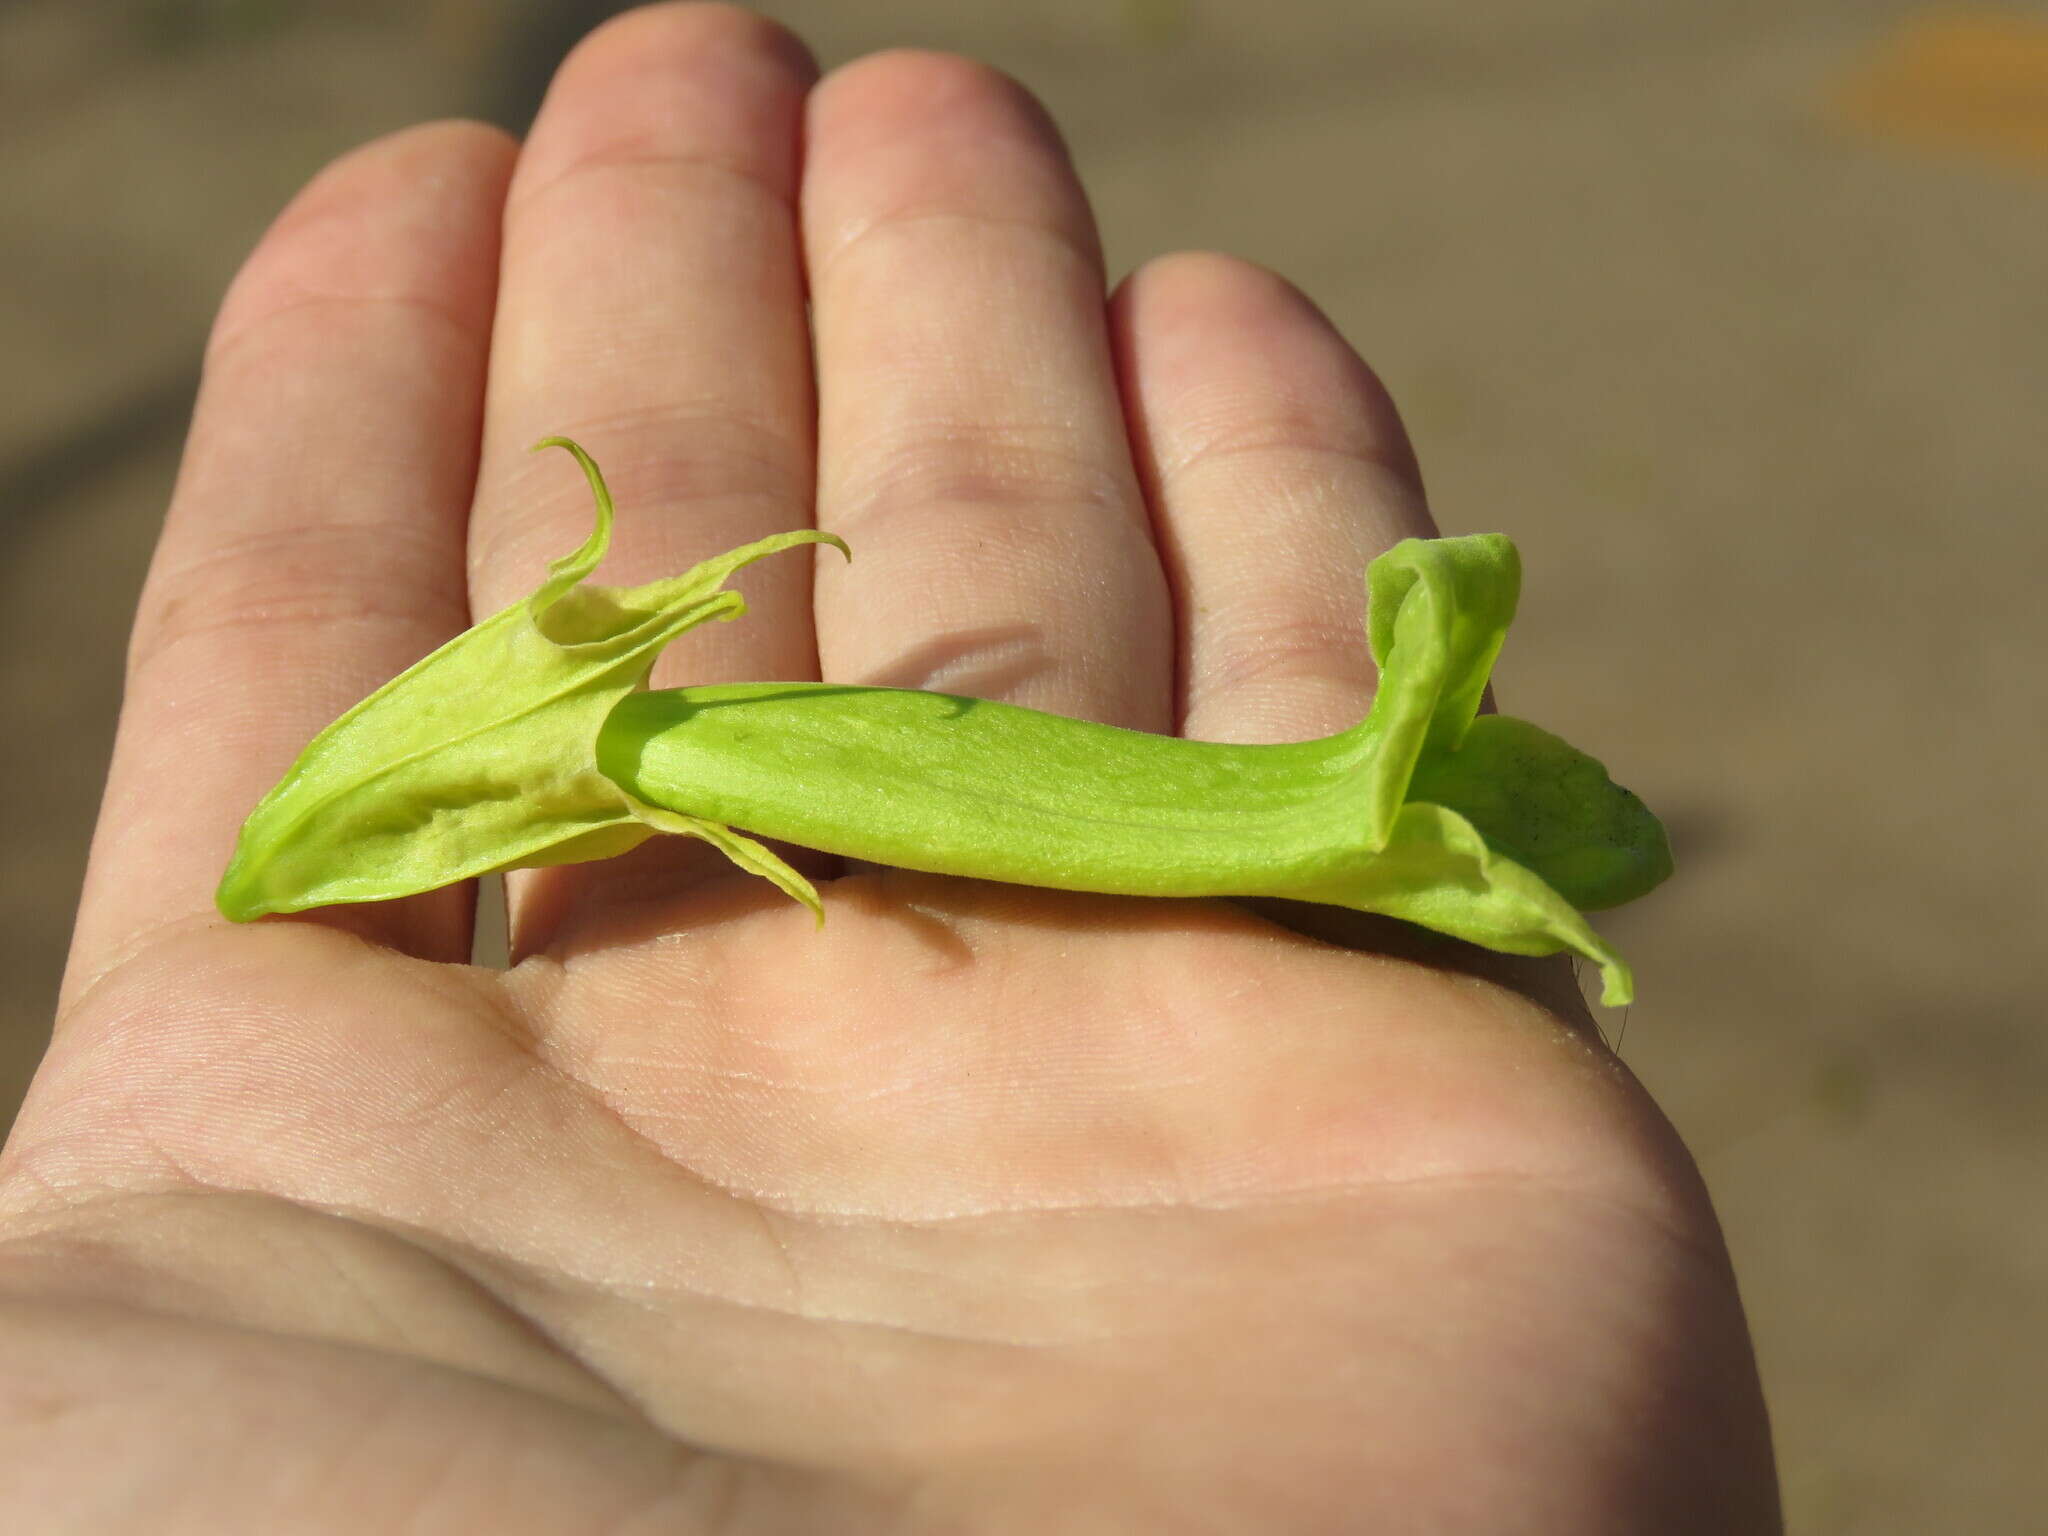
<point x="692" y="26"/>
<point x="1208" y="333"/>
<point x="384" y="220"/>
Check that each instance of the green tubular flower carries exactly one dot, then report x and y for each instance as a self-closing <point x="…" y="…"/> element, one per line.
<point x="527" y="741"/>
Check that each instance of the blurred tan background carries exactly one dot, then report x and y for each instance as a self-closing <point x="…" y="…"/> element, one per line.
<point x="1733" y="313"/>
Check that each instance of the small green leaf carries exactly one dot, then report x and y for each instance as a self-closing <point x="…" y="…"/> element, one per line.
<point x="481" y="757"/>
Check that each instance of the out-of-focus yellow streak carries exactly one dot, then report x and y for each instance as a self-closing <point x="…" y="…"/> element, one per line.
<point x="1974" y="81"/>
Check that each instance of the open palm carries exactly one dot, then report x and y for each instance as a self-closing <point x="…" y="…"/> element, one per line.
<point x="983" y="1209"/>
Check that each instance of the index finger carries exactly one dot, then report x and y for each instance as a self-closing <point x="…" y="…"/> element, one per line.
<point x="314" y="544"/>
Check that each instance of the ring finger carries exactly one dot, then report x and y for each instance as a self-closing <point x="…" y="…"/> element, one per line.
<point x="1277" y="469"/>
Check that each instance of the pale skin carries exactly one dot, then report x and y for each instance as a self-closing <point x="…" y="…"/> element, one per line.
<point x="985" y="1209"/>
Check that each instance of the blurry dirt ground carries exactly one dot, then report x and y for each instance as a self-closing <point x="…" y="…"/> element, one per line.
<point x="1732" y="313"/>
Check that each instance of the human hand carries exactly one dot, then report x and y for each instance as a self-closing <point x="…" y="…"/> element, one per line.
<point x="984" y="1209"/>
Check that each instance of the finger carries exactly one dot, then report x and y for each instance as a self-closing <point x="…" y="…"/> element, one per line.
<point x="652" y="307"/>
<point x="1277" y="469"/>
<point x="972" y="447"/>
<point x="313" y="546"/>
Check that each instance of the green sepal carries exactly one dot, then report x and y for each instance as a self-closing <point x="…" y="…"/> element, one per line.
<point x="481" y="757"/>
<point x="745" y="853"/>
